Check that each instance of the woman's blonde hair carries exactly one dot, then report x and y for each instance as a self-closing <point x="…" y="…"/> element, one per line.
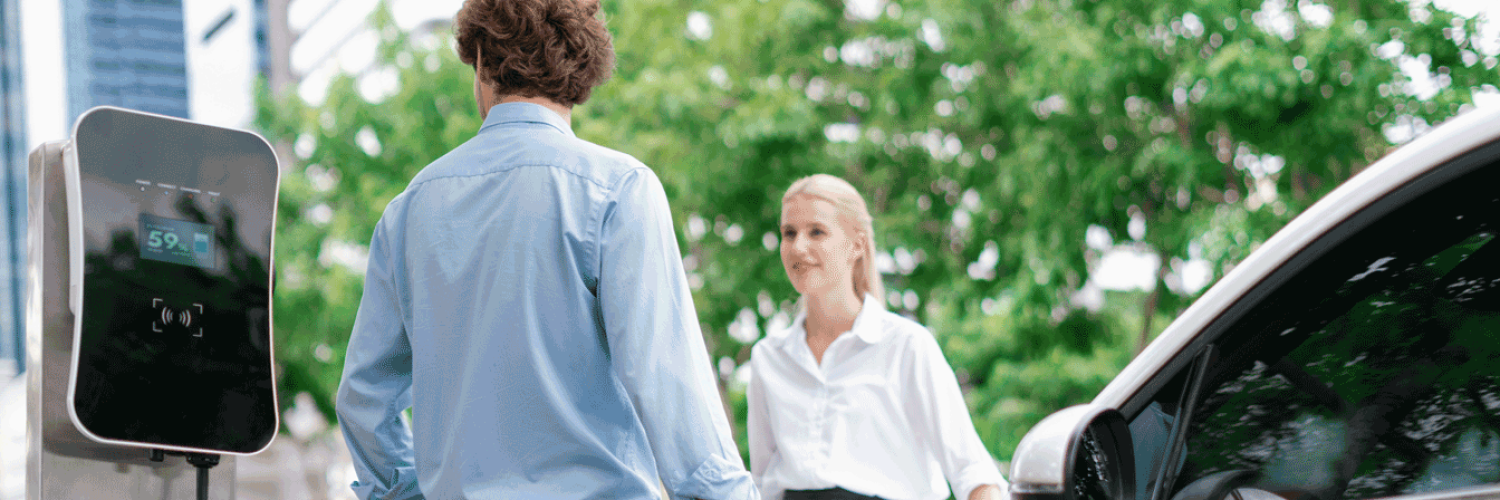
<point x="855" y="217"/>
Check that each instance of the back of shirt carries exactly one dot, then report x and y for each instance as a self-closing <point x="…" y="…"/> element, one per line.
<point x="526" y="296"/>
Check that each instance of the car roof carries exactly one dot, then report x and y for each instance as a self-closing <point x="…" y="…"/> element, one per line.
<point x="1454" y="138"/>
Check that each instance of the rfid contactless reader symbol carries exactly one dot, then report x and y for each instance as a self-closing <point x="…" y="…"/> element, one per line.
<point x="185" y="318"/>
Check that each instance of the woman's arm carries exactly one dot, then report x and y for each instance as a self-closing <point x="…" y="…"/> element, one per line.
<point x="758" y="422"/>
<point x="941" y="420"/>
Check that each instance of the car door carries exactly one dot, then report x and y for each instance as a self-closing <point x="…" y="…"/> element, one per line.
<point x="1366" y="366"/>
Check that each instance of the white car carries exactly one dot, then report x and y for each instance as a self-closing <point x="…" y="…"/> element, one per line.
<point x="1355" y="354"/>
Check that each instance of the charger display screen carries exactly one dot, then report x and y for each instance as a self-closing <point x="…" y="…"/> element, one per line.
<point x="177" y="241"/>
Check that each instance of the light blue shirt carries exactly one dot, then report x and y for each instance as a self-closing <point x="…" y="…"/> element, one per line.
<point x="526" y="298"/>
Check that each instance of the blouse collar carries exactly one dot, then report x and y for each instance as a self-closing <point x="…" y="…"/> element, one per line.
<point x="867" y="325"/>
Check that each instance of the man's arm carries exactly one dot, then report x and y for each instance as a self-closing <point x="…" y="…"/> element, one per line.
<point x="657" y="348"/>
<point x="376" y="387"/>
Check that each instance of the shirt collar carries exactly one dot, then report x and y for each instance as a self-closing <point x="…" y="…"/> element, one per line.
<point x="867" y="325"/>
<point x="525" y="112"/>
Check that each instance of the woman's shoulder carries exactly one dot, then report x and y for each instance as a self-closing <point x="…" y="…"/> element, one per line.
<point x="773" y="338"/>
<point x="906" y="336"/>
<point x="901" y="328"/>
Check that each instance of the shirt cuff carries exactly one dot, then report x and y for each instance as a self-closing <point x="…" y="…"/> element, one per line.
<point x="717" y="479"/>
<point x="403" y="487"/>
<point x="977" y="476"/>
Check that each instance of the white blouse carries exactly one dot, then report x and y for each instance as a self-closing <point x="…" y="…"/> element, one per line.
<point x="882" y="415"/>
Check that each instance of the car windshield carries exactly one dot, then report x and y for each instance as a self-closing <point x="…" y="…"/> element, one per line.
<point x="1375" y="369"/>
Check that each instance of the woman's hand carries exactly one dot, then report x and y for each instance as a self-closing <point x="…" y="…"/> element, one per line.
<point x="986" y="492"/>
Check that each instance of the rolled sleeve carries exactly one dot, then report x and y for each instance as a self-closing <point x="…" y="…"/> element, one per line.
<point x="656" y="346"/>
<point x="943" y="423"/>
<point x="376" y="387"/>
<point x="717" y="478"/>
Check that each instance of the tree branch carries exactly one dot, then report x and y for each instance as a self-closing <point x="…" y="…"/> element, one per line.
<point x="1149" y="306"/>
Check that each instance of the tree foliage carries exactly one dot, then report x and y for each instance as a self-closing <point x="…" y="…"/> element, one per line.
<point x="989" y="137"/>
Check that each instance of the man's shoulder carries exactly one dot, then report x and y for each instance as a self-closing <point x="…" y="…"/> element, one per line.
<point x="498" y="153"/>
<point x="609" y="165"/>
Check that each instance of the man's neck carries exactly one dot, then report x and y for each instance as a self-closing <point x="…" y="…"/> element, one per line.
<point x="566" y="112"/>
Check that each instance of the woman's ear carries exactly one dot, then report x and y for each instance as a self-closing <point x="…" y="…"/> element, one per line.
<point x="859" y="246"/>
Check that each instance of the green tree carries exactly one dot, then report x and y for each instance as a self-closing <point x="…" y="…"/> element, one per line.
<point x="989" y="138"/>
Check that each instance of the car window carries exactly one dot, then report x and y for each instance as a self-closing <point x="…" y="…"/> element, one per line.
<point x="1372" y="371"/>
<point x="1151" y="433"/>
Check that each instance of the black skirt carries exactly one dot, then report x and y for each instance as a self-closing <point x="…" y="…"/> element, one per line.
<point x="834" y="493"/>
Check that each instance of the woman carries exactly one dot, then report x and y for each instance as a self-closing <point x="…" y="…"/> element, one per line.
<point x="853" y="401"/>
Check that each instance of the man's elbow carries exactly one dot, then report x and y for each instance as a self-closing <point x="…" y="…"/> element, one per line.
<point x="344" y="401"/>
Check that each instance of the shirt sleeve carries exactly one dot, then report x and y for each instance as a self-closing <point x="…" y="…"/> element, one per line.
<point x="657" y="348"/>
<point x="376" y="388"/>
<point x="758" y="425"/>
<point x="942" y="421"/>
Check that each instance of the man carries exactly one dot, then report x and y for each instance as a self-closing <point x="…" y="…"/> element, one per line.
<point x="526" y="299"/>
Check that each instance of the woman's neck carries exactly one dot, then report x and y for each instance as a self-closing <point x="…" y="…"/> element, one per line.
<point x="829" y="316"/>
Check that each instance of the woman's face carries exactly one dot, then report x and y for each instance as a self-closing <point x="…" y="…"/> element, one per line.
<point x="816" y="250"/>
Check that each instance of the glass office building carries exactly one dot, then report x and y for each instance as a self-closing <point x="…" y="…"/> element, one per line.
<point x="126" y="53"/>
<point x="262" y="40"/>
<point x="12" y="190"/>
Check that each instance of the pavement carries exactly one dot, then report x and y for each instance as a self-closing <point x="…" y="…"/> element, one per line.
<point x="308" y="461"/>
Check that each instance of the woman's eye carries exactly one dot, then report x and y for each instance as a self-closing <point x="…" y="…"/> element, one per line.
<point x="817" y="232"/>
<point x="788" y="233"/>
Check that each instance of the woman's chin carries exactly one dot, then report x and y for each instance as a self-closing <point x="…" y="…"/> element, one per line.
<point x="813" y="286"/>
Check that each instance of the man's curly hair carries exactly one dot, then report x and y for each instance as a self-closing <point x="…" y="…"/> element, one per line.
<point x="556" y="49"/>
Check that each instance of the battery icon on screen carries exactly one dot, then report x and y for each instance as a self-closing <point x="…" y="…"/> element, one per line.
<point x="200" y="243"/>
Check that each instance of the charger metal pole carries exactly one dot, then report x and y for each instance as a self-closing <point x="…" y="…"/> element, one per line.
<point x="61" y="463"/>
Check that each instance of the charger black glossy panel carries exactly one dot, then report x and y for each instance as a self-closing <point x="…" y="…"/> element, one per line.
<point x="174" y="342"/>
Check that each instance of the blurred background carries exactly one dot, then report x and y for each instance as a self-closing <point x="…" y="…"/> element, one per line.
<point x="1053" y="181"/>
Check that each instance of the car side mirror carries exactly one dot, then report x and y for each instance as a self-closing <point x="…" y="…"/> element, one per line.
<point x="1082" y="452"/>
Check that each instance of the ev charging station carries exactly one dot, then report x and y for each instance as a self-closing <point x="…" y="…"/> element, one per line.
<point x="148" y="308"/>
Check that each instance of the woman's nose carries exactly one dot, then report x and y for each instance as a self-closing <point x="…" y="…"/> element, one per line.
<point x="799" y="245"/>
